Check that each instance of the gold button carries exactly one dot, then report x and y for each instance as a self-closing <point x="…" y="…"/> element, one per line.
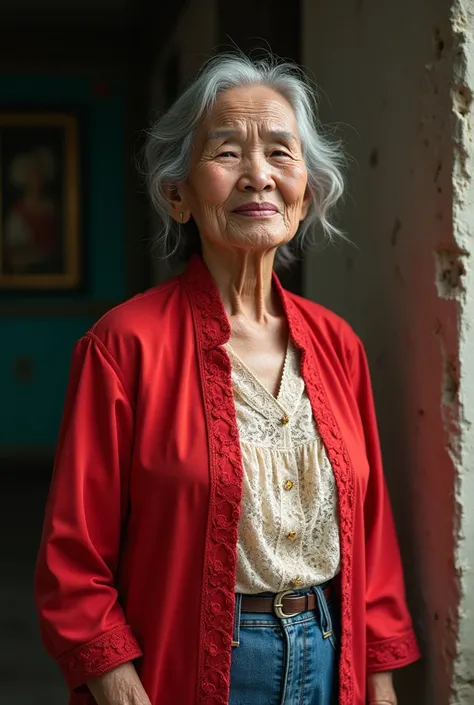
<point x="288" y="485"/>
<point x="285" y="420"/>
<point x="296" y="581"/>
<point x="291" y="535"/>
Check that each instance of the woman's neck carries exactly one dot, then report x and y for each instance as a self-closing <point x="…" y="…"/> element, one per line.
<point x="244" y="280"/>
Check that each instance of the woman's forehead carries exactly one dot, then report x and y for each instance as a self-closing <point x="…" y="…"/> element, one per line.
<point x="237" y="107"/>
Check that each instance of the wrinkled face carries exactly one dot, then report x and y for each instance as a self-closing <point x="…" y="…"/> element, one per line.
<point x="247" y="184"/>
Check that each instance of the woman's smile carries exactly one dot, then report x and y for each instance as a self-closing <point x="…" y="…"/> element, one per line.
<point x="256" y="210"/>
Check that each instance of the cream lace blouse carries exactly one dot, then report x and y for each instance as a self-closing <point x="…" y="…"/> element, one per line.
<point x="288" y="531"/>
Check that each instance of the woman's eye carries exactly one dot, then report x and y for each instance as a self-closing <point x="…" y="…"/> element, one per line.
<point x="227" y="154"/>
<point x="279" y="153"/>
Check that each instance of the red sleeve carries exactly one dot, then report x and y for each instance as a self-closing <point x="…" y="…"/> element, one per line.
<point x="391" y="642"/>
<point x="81" y="620"/>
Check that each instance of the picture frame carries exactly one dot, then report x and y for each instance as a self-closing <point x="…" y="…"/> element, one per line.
<point x="39" y="201"/>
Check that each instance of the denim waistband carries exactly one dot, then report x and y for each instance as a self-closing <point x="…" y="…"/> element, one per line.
<point x="322" y="609"/>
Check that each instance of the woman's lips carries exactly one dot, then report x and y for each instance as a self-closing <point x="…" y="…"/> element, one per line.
<point x="257" y="210"/>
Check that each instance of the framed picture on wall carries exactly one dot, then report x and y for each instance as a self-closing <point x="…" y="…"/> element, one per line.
<point x="39" y="201"/>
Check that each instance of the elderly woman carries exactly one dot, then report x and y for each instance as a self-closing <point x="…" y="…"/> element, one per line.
<point x="218" y="528"/>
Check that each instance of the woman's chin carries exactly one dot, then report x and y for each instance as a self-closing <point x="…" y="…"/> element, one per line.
<point x="259" y="241"/>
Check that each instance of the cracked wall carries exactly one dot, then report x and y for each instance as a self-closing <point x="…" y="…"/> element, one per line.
<point x="463" y="230"/>
<point x="400" y="94"/>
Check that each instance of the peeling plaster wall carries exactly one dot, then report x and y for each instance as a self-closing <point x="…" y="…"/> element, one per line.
<point x="463" y="450"/>
<point x="396" y="81"/>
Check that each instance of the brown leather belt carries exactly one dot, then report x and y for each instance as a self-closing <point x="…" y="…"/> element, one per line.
<point x="285" y="604"/>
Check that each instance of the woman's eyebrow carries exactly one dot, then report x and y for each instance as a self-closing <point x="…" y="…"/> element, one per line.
<point x="282" y="135"/>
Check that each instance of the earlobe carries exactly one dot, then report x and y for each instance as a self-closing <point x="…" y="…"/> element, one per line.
<point x="180" y="214"/>
<point x="183" y="216"/>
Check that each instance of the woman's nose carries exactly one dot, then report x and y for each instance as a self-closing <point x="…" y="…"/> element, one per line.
<point x="257" y="177"/>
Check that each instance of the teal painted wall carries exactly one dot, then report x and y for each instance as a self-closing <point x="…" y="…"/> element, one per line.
<point x="30" y="410"/>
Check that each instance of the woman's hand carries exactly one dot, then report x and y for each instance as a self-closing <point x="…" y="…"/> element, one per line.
<point x="121" y="686"/>
<point x="380" y="689"/>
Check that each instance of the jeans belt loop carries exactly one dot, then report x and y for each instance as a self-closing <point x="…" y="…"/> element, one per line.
<point x="237" y="612"/>
<point x="324" y="614"/>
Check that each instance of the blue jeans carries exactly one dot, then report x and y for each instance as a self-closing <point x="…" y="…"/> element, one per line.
<point x="289" y="661"/>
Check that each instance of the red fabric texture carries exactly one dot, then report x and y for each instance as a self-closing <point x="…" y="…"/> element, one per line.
<point x="138" y="555"/>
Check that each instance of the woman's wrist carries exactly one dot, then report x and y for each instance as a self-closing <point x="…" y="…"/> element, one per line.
<point x="121" y="686"/>
<point x="380" y="689"/>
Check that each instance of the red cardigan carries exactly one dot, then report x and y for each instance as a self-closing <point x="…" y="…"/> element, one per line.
<point x="138" y="555"/>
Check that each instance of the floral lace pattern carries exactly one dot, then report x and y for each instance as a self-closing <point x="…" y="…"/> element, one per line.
<point x="100" y="655"/>
<point x="392" y="653"/>
<point x="288" y="530"/>
<point x="220" y="561"/>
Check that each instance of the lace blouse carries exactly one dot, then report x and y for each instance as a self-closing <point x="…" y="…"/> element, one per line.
<point x="288" y="530"/>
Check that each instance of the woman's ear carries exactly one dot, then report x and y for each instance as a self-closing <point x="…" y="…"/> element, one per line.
<point x="178" y="208"/>
<point x="306" y="203"/>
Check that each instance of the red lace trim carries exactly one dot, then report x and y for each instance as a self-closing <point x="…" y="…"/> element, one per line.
<point x="220" y="561"/>
<point x="100" y="655"/>
<point x="392" y="653"/>
<point x="344" y="476"/>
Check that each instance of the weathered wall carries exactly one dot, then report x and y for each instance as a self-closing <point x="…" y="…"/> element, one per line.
<point x="463" y="293"/>
<point x="397" y="78"/>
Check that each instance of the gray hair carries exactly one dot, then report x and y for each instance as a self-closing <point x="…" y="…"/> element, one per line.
<point x="169" y="143"/>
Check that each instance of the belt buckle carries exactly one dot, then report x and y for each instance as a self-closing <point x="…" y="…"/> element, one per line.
<point x="278" y="604"/>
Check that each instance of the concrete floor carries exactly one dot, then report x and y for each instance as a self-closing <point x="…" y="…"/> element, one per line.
<point x="27" y="675"/>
